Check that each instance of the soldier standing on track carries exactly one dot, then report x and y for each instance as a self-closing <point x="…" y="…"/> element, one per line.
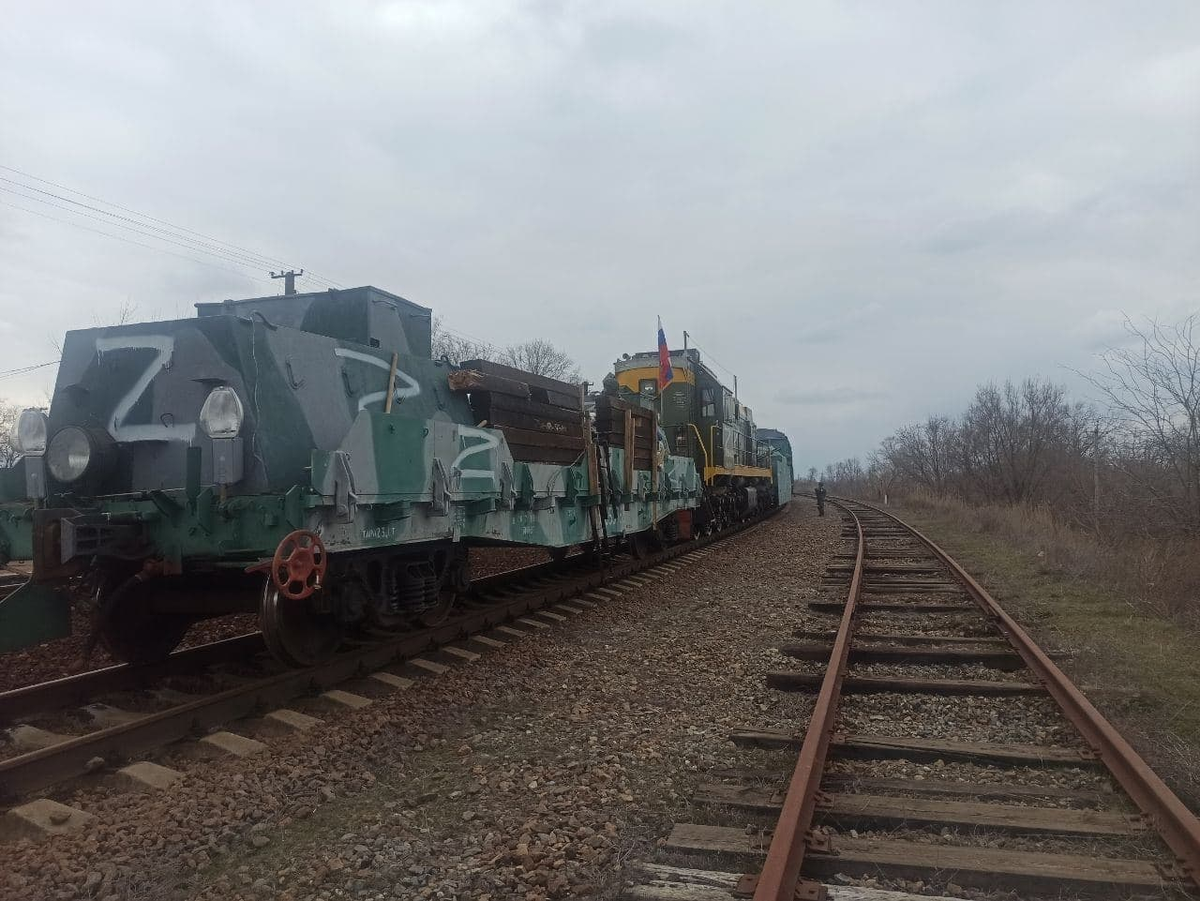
<point x="820" y="493"/>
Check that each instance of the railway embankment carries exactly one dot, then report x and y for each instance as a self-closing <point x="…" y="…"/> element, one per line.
<point x="1142" y="669"/>
<point x="535" y="771"/>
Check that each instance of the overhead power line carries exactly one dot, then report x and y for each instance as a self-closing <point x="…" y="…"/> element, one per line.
<point x="136" y="231"/>
<point x="194" y="240"/>
<point x="24" y="369"/>
<point x="131" y="241"/>
<point x="137" y="226"/>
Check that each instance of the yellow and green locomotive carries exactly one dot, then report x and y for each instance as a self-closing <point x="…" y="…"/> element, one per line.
<point x="702" y="419"/>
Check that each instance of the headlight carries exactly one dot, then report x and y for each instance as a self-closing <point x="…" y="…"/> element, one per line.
<point x="74" y="453"/>
<point x="29" y="432"/>
<point x="221" y="415"/>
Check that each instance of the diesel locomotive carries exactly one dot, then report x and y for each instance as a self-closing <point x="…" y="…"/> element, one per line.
<point x="705" y="421"/>
<point x="304" y="457"/>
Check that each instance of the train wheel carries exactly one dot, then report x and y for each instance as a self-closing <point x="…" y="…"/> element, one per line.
<point x="643" y="544"/>
<point x="437" y="614"/>
<point x="131" y="631"/>
<point x="295" y="631"/>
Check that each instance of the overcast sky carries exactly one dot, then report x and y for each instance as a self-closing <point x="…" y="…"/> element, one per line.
<point x="863" y="209"/>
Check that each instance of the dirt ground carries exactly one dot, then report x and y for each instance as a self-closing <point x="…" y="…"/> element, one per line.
<point x="536" y="772"/>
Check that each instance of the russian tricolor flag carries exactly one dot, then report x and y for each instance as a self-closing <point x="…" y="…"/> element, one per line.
<point x="665" y="373"/>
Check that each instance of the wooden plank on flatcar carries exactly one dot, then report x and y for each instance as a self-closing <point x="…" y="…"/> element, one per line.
<point x="537" y="454"/>
<point x="533" y="438"/>
<point x="504" y="419"/>
<point x="563" y="394"/>
<point x="607" y="401"/>
<point x="502" y="405"/>
<point x="473" y="380"/>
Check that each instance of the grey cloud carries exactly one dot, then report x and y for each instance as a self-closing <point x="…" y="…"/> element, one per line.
<point x="828" y="396"/>
<point x="932" y="194"/>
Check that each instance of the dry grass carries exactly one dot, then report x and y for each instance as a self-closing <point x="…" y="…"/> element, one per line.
<point x="1160" y="576"/>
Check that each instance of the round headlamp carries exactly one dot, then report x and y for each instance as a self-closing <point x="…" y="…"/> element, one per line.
<point x="75" y="452"/>
<point x="29" y="432"/>
<point x="221" y="415"/>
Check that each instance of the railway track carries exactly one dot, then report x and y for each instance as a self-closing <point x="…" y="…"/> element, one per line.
<point x="123" y="714"/>
<point x="945" y="752"/>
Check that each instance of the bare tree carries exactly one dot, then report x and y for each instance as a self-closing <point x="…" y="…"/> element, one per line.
<point x="1008" y="436"/>
<point x="881" y="474"/>
<point x="541" y="358"/>
<point x="8" y="418"/>
<point x="923" y="454"/>
<point x="1153" y="391"/>
<point x="456" y="348"/>
<point x="847" y="477"/>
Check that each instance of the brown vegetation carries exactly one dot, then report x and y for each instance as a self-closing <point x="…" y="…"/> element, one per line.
<point x="536" y="355"/>
<point x="1108" y="492"/>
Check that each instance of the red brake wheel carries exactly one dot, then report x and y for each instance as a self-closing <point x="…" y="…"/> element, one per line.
<point x="299" y="565"/>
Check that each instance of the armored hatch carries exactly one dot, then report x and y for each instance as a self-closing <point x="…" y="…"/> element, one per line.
<point x="366" y="315"/>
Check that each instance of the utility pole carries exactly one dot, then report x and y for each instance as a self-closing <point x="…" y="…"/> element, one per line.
<point x="289" y="279"/>
<point x="1096" y="479"/>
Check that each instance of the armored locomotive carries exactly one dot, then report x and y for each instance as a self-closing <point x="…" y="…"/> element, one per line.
<point x="304" y="457"/>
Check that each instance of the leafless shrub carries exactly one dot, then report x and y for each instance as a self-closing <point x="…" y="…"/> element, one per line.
<point x="1112" y="492"/>
<point x="541" y="358"/>
<point x="8" y="417"/>
<point x="538" y="355"/>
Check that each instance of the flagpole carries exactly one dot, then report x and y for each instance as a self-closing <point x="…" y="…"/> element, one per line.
<point x="654" y="438"/>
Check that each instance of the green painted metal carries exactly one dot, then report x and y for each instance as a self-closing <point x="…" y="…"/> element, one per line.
<point x="316" y="449"/>
<point x="32" y="614"/>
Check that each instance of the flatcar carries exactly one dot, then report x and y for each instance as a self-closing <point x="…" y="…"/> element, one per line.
<point x="305" y="458"/>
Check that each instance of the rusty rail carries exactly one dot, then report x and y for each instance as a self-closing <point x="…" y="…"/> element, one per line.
<point x="1178" y="827"/>
<point x="779" y="879"/>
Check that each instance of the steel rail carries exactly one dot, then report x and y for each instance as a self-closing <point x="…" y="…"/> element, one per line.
<point x="779" y="879"/>
<point x="34" y="770"/>
<point x="1178" y="827"/>
<point x="79" y="688"/>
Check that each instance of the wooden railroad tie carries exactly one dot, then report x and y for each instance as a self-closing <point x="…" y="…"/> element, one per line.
<point x="972" y="865"/>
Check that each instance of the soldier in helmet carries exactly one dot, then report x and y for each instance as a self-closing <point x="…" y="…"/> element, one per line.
<point x="820" y="493"/>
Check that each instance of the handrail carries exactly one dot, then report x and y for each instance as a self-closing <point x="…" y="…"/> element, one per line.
<point x="701" y="440"/>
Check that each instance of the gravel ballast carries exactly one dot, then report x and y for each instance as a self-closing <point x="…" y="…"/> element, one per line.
<point x="533" y="773"/>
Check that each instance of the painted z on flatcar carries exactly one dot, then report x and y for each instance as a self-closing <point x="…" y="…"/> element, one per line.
<point x="303" y="457"/>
